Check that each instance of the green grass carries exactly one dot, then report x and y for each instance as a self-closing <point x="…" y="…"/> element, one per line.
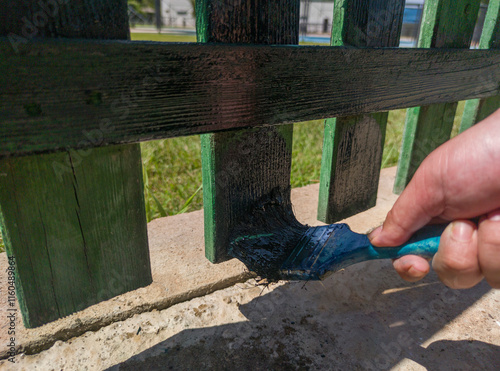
<point x="181" y="38"/>
<point x="172" y="167"/>
<point x="163" y="37"/>
<point x="172" y="174"/>
<point x="394" y="134"/>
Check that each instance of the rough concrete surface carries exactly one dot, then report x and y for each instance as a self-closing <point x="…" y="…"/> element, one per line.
<point x="363" y="317"/>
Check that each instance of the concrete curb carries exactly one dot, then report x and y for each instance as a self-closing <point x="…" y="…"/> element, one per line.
<point x="180" y="271"/>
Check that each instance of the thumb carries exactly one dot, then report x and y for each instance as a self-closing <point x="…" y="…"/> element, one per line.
<point x="456" y="261"/>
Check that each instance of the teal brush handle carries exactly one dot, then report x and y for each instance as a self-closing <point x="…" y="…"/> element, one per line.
<point x="424" y="242"/>
<point x="327" y="249"/>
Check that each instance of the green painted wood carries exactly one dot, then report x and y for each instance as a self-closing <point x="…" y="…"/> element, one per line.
<point x="242" y="167"/>
<point x="353" y="146"/>
<point x="478" y="109"/>
<point x="117" y="92"/>
<point x="74" y="221"/>
<point x="445" y="24"/>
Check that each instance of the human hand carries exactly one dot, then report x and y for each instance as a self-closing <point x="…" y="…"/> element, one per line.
<point x="457" y="182"/>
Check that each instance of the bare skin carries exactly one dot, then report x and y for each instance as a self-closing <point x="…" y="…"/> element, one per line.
<point x="457" y="182"/>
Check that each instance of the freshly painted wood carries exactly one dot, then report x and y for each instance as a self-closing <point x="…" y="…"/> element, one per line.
<point x="74" y="221"/>
<point x="478" y="109"/>
<point x="353" y="146"/>
<point x="369" y="23"/>
<point x="24" y="21"/>
<point x="445" y="24"/>
<point x="243" y="166"/>
<point x="247" y="22"/>
<point x="352" y="151"/>
<point x="110" y="92"/>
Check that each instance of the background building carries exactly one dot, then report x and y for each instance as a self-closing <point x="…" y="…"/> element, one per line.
<point x="178" y="13"/>
<point x="174" y="13"/>
<point x="315" y="18"/>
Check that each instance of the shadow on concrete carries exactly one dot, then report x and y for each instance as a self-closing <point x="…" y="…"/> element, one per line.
<point x="362" y="318"/>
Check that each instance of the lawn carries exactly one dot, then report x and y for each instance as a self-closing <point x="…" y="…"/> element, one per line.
<point x="163" y="37"/>
<point x="172" y="167"/>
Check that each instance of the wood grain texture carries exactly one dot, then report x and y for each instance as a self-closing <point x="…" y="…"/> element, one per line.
<point x="24" y="20"/>
<point x="478" y="109"/>
<point x="362" y="23"/>
<point x="74" y="220"/>
<point x="353" y="146"/>
<point x="354" y="155"/>
<point x="445" y="24"/>
<point x="244" y="166"/>
<point x="75" y="223"/>
<point x="111" y="92"/>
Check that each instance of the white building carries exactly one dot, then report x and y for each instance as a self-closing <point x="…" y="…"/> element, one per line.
<point x="315" y="15"/>
<point x="178" y="13"/>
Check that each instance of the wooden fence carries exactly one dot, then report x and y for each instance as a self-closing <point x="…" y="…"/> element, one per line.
<point x="74" y="106"/>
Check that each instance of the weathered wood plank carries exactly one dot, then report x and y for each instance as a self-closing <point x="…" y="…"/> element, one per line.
<point x="98" y="93"/>
<point x="23" y="21"/>
<point x="445" y="24"/>
<point x="243" y="166"/>
<point x="74" y="221"/>
<point x="478" y="109"/>
<point x="353" y="146"/>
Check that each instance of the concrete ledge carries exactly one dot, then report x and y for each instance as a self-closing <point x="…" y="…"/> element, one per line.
<point x="180" y="271"/>
<point x="361" y="318"/>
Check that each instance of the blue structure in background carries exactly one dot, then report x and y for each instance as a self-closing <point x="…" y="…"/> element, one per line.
<point x="412" y="15"/>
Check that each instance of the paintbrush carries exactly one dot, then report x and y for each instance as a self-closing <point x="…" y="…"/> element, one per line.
<point x="327" y="249"/>
<point x="272" y="243"/>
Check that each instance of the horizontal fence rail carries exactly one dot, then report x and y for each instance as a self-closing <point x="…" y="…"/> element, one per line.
<point x="78" y="94"/>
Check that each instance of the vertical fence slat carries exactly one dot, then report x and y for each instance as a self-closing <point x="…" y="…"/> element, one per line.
<point x="478" y="109"/>
<point x="75" y="220"/>
<point x="445" y="24"/>
<point x="353" y="146"/>
<point x="241" y="167"/>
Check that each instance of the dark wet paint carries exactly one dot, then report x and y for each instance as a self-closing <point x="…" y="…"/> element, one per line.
<point x="272" y="243"/>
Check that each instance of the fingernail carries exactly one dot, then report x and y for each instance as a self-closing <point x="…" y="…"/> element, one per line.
<point x="375" y="233"/>
<point x="416" y="268"/>
<point x="462" y="231"/>
<point x="416" y="272"/>
<point x="494" y="216"/>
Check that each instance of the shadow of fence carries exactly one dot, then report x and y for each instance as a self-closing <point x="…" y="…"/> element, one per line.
<point x="350" y="321"/>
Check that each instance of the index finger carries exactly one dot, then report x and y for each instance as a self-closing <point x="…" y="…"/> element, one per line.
<point x="421" y="201"/>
